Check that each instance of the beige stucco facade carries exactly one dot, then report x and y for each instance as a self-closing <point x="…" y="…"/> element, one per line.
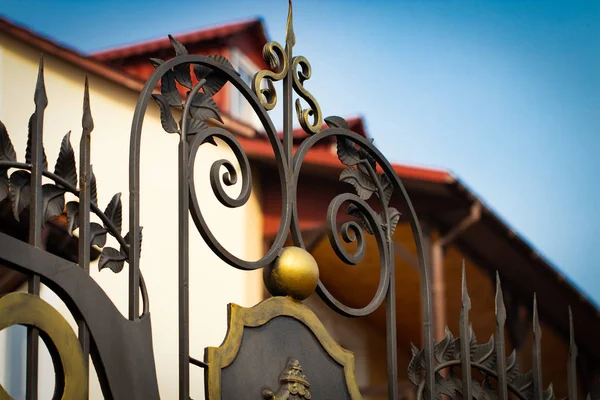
<point x="239" y="230"/>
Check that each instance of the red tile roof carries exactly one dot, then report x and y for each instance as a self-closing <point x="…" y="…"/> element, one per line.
<point x="48" y="46"/>
<point x="221" y="32"/>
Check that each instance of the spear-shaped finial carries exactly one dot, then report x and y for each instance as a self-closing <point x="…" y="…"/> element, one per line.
<point x="290" y="38"/>
<point x="87" y="123"/>
<point x="40" y="99"/>
<point x="466" y="300"/>
<point x="500" y="308"/>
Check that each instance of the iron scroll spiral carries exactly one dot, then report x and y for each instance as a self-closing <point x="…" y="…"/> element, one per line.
<point x="229" y="178"/>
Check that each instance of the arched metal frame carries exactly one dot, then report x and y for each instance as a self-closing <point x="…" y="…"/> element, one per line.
<point x="120" y="348"/>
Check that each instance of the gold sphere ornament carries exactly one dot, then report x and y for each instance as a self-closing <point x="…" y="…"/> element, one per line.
<point x="294" y="273"/>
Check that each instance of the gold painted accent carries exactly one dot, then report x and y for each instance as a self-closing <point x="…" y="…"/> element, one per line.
<point x="281" y="61"/>
<point x="290" y="37"/>
<point x="294" y="273"/>
<point x="314" y="109"/>
<point x="276" y="57"/>
<point x="293" y="383"/>
<point x="29" y="310"/>
<point x="240" y="317"/>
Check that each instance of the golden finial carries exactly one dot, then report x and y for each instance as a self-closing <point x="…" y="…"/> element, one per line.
<point x="290" y="38"/>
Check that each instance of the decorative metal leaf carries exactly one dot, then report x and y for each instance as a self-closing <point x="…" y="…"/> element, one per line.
<point x="97" y="235"/>
<point x="7" y="150"/>
<point x="337" y="122"/>
<point x="156" y="62"/>
<point x="358" y="214"/>
<point x="394" y="218"/>
<point x="53" y="201"/>
<point x="181" y="71"/>
<point x="114" y="211"/>
<point x="166" y="118"/>
<point x="512" y="367"/>
<point x="19" y="191"/>
<point x="168" y="88"/>
<point x="549" y="393"/>
<point x="128" y="240"/>
<point x="347" y="152"/>
<point x="414" y="350"/>
<point x="524" y="382"/>
<point x="214" y="80"/>
<point x="3" y="184"/>
<point x="204" y="107"/>
<point x="72" y="216"/>
<point x="362" y="184"/>
<point x="179" y="48"/>
<point x="194" y="126"/>
<point x="65" y="164"/>
<point x="7" y="153"/>
<point x="93" y="189"/>
<point x="32" y="126"/>
<point x="448" y="387"/>
<point x="484" y="353"/>
<point x="478" y="391"/>
<point x="112" y="259"/>
<point x="443" y="349"/>
<point x="414" y="368"/>
<point x="183" y="75"/>
<point x="364" y="154"/>
<point x="388" y="189"/>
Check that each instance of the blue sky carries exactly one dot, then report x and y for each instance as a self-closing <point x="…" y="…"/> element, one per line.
<point x="505" y="94"/>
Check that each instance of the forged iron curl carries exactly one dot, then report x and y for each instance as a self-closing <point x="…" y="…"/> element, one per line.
<point x="352" y="232"/>
<point x="276" y="57"/>
<point x="314" y="109"/>
<point x="217" y="180"/>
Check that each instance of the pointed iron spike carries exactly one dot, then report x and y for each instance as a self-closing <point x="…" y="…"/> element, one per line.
<point x="538" y="390"/>
<point x="290" y="37"/>
<point x="40" y="100"/>
<point x="466" y="301"/>
<point x="572" y="366"/>
<point x="499" y="341"/>
<point x="537" y="330"/>
<point x="500" y="308"/>
<point x="87" y="123"/>
<point x="571" y="331"/>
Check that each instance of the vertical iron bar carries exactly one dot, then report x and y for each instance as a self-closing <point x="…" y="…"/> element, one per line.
<point x="538" y="390"/>
<point x="465" y="339"/>
<point x="500" y="343"/>
<point x="35" y="223"/>
<point x="184" y="255"/>
<point x="85" y="176"/>
<point x="288" y="113"/>
<point x="391" y="335"/>
<point x="572" y="368"/>
<point x="184" y="326"/>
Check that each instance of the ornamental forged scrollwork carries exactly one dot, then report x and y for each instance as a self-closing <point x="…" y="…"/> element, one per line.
<point x="283" y="63"/>
<point x="498" y="374"/>
<point x="294" y="384"/>
<point x="17" y="187"/>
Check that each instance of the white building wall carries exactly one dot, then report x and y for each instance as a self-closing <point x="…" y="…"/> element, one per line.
<point x="212" y="283"/>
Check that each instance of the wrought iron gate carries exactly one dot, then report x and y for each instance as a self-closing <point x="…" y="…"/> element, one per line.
<point x="121" y="349"/>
